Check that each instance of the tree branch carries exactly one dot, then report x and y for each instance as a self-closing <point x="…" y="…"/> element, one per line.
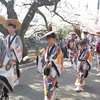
<point x="39" y="12"/>
<point x="55" y="6"/>
<point x="3" y="30"/>
<point x="4" y="2"/>
<point x="47" y="2"/>
<point x="10" y="10"/>
<point x="62" y="18"/>
<point x="28" y="18"/>
<point x="25" y="4"/>
<point x="37" y="32"/>
<point x="44" y="3"/>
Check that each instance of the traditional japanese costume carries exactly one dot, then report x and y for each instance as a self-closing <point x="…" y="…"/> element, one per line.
<point x="55" y="56"/>
<point x="73" y="48"/>
<point x="6" y="70"/>
<point x="83" y="68"/>
<point x="16" y="55"/>
<point x="92" y="45"/>
<point x="72" y="45"/>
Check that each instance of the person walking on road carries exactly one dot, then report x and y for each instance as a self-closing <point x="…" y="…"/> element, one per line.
<point x="92" y="44"/>
<point x="86" y="39"/>
<point x="72" y="46"/>
<point x="84" y="60"/>
<point x="14" y="45"/>
<point x="51" y="64"/>
<point x="62" y="45"/>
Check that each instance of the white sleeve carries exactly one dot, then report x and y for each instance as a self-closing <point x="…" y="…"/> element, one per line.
<point x="39" y="64"/>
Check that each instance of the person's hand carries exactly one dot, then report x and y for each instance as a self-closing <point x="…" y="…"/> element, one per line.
<point x="10" y="49"/>
<point x="83" y="62"/>
<point x="49" y="65"/>
<point x="34" y="57"/>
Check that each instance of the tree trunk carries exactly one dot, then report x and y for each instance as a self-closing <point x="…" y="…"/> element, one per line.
<point x="10" y="10"/>
<point x="28" y="18"/>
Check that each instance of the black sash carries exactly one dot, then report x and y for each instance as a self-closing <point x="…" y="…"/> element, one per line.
<point x="84" y="51"/>
<point x="50" y="52"/>
<point x="10" y="42"/>
<point x="17" y="63"/>
<point x="47" y="70"/>
<point x="48" y="57"/>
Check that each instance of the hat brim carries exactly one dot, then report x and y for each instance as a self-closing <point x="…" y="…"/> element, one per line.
<point x="72" y="33"/>
<point x="2" y="19"/>
<point x="98" y="33"/>
<point x="85" y="32"/>
<point x="92" y="33"/>
<point x="14" y="22"/>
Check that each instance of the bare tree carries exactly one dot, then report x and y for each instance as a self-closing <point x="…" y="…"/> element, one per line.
<point x="29" y="16"/>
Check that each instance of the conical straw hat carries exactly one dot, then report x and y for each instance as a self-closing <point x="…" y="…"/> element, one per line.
<point x="2" y="19"/>
<point x="14" y="22"/>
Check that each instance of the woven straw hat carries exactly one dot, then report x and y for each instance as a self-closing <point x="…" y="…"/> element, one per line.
<point x="12" y="21"/>
<point x="2" y="19"/>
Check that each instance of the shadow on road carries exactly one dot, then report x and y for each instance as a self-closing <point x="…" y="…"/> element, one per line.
<point x="31" y="86"/>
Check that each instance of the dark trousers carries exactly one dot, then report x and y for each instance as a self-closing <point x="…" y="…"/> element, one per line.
<point x="5" y="91"/>
<point x="64" y="50"/>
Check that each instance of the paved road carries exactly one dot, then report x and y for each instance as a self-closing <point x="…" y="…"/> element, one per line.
<point x="31" y="86"/>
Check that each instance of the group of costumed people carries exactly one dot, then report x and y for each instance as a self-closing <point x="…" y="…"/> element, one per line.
<point x="50" y="63"/>
<point x="82" y="52"/>
<point x="11" y="50"/>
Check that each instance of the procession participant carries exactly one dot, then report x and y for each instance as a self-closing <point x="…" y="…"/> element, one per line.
<point x="6" y="78"/>
<point x="98" y="53"/>
<point x="6" y="83"/>
<point x="73" y="47"/>
<point x="93" y="38"/>
<point x="62" y="45"/>
<point x="14" y="45"/>
<point x="92" y="43"/>
<point x="84" y="61"/>
<point x="86" y="39"/>
<point x="72" y="43"/>
<point x="51" y="63"/>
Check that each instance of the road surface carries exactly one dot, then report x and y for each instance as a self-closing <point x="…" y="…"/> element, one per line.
<point x="31" y="86"/>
